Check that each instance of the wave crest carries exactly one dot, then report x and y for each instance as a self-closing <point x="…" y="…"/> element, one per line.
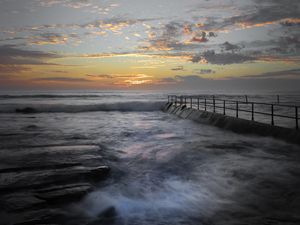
<point x="62" y="108"/>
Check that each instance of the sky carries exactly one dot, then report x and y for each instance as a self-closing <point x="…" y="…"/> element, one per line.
<point x="157" y="44"/>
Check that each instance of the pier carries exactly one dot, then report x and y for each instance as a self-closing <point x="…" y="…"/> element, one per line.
<point x="250" y="109"/>
<point x="258" y="118"/>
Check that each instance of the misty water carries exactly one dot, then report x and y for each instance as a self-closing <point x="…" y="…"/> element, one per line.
<point x="164" y="170"/>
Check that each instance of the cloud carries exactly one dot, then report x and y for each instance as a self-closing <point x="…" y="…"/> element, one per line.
<point x="238" y="84"/>
<point x="204" y="71"/>
<point x="15" y="60"/>
<point x="101" y="76"/>
<point x="76" y="4"/>
<point x="13" y="69"/>
<point x="230" y="47"/>
<point x="256" y="13"/>
<point x="176" y="36"/>
<point x="58" y="71"/>
<point x="221" y="58"/>
<point x="11" y="55"/>
<point x="114" y="24"/>
<point x="178" y="68"/>
<point x="62" y="79"/>
<point x="49" y="39"/>
<point x="293" y="73"/>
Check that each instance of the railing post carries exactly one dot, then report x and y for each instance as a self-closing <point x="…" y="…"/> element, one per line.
<point x="185" y="100"/>
<point x="224" y="107"/>
<point x="237" y="109"/>
<point x="278" y="99"/>
<point x="296" y="117"/>
<point x="246" y="99"/>
<point x="205" y="104"/>
<point x="272" y="115"/>
<point x="191" y="102"/>
<point x="252" y="111"/>
<point x="214" y="103"/>
<point x="198" y="103"/>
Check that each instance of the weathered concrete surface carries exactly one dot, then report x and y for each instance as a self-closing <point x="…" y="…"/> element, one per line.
<point x="237" y="125"/>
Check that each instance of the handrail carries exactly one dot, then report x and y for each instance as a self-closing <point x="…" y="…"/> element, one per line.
<point x="235" y="105"/>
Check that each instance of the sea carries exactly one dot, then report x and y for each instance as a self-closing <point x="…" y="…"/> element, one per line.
<point x="164" y="170"/>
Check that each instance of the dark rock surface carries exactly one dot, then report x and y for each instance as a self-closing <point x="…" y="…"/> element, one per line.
<point x="37" y="183"/>
<point x="26" y="110"/>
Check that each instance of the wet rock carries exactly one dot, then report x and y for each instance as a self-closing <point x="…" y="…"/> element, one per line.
<point x="64" y="193"/>
<point x="107" y="217"/>
<point x="110" y="212"/>
<point x="21" y="202"/>
<point x="26" y="110"/>
<point x="40" y="179"/>
<point x="99" y="172"/>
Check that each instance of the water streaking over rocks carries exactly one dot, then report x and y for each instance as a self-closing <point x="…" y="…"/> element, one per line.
<point x="140" y="167"/>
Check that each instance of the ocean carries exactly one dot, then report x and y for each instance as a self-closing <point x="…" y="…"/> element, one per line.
<point x="163" y="170"/>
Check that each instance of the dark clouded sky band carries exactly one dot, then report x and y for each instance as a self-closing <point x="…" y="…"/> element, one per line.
<point x="149" y="44"/>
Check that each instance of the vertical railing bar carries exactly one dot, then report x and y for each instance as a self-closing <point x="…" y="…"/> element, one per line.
<point x="214" y="104"/>
<point x="191" y="102"/>
<point x="224" y="107"/>
<point x="296" y="117"/>
<point x="252" y="111"/>
<point x="198" y="103"/>
<point x="272" y="115"/>
<point x="237" y="109"/>
<point x="205" y="104"/>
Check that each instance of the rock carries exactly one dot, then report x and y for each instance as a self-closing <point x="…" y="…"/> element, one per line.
<point x="26" y="110"/>
<point x="21" y="202"/>
<point x="39" y="179"/>
<point x="99" y="172"/>
<point x="64" y="193"/>
<point x="110" y="212"/>
<point x="107" y="217"/>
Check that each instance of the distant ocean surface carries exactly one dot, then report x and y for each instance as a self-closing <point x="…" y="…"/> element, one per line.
<point x="174" y="171"/>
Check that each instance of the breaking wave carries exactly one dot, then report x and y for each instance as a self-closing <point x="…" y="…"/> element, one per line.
<point x="137" y="106"/>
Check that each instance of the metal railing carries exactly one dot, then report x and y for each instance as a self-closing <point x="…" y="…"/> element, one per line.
<point x="213" y="104"/>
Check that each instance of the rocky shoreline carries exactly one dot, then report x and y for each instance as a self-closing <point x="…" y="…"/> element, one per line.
<point x="37" y="183"/>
